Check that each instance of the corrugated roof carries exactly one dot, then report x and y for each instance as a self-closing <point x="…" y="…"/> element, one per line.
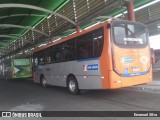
<point x="80" y="11"/>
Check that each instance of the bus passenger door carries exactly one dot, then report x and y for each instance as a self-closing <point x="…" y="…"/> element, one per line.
<point x="54" y="74"/>
<point x="47" y="73"/>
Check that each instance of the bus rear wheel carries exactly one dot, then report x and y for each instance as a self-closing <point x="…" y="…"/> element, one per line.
<point x="72" y="85"/>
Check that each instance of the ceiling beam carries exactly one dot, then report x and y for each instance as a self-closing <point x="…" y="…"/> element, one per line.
<point x="23" y="27"/>
<point x="12" y="5"/>
<point x="14" y="37"/>
<point x="8" y="36"/>
<point x="18" y="15"/>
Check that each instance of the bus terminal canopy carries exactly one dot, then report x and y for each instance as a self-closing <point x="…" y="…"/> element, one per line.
<point x="18" y="16"/>
<point x="39" y="20"/>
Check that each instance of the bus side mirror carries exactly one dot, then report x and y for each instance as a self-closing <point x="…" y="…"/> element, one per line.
<point x="108" y="25"/>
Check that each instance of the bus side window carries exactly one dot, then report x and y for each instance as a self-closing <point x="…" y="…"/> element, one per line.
<point x="47" y="56"/>
<point x="98" y="42"/>
<point x="84" y="47"/>
<point x="57" y="54"/>
<point x="35" y="61"/>
<point x="50" y="55"/>
<point x="68" y="49"/>
<point x="41" y="57"/>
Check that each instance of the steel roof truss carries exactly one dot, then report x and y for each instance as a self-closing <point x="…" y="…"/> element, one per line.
<point x="17" y="15"/>
<point x="13" y="5"/>
<point x="23" y="27"/>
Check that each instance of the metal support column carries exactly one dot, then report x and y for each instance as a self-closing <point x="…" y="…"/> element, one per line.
<point x="23" y="54"/>
<point x="78" y="29"/>
<point x="131" y="13"/>
<point x="51" y="39"/>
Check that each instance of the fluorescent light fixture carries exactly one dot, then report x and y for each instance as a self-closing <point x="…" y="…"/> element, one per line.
<point x="120" y="14"/>
<point x="32" y="48"/>
<point x="146" y="5"/>
<point x="49" y="16"/>
<point x="57" y="39"/>
<point x="72" y="33"/>
<point x="92" y="25"/>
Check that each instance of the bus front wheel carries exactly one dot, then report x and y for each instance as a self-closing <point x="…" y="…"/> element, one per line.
<point x="72" y="85"/>
<point x="43" y="82"/>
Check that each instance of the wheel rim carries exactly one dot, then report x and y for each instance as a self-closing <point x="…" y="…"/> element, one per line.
<point x="44" y="82"/>
<point x="72" y="86"/>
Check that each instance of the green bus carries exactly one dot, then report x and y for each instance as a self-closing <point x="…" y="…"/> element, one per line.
<point x="17" y="68"/>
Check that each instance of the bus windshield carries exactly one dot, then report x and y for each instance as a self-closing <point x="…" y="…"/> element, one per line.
<point x="128" y="33"/>
<point x="21" y="62"/>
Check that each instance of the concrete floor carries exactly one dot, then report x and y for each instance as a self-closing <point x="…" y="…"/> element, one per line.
<point x="156" y="76"/>
<point x="27" y="96"/>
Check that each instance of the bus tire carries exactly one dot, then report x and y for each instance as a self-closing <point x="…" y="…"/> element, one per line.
<point x="72" y="85"/>
<point x="43" y="81"/>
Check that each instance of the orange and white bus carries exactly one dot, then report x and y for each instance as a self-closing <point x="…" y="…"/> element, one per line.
<point x="109" y="55"/>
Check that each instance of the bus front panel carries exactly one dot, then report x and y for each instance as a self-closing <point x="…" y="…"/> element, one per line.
<point x="21" y="68"/>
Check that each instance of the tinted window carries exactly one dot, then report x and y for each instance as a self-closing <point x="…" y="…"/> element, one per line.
<point x="84" y="46"/>
<point x="57" y="54"/>
<point x="38" y="58"/>
<point x="68" y="50"/>
<point x="41" y="58"/>
<point x="98" y="42"/>
<point x="129" y="33"/>
<point x="35" y="59"/>
<point x="48" y="56"/>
